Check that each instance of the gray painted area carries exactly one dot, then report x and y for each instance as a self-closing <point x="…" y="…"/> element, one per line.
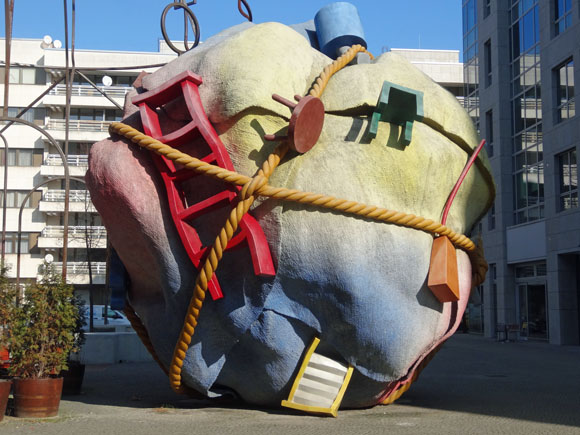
<point x="526" y="242"/>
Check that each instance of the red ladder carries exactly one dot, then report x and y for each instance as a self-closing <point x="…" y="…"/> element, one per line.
<point x="186" y="85"/>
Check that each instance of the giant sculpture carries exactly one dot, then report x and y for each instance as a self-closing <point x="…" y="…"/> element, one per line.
<point x="310" y="299"/>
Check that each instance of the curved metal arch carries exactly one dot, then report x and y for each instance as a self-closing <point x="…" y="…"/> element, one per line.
<point x="54" y="143"/>
<point x="34" y="189"/>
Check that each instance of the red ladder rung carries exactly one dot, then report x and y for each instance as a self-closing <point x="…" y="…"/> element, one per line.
<point x="182" y="135"/>
<point x="206" y="206"/>
<point x="170" y="90"/>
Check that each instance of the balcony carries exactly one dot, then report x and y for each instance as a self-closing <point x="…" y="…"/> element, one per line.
<point x="90" y="91"/>
<point x="79" y="201"/>
<point x="53" y="167"/>
<point x="78" y="125"/>
<point x="78" y="272"/>
<point x="86" y="95"/>
<point x="72" y="160"/>
<point x="79" y="130"/>
<point x="95" y="237"/>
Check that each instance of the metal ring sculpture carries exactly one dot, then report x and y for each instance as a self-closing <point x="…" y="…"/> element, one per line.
<point x="248" y="14"/>
<point x="188" y="14"/>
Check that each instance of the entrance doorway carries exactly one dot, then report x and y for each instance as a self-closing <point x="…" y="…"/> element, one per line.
<point x="532" y="311"/>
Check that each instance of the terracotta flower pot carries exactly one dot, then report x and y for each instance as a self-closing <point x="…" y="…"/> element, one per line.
<point x="5" y="385"/>
<point x="37" y="398"/>
<point x="4" y="357"/>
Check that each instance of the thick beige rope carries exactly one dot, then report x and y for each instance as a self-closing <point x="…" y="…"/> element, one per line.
<point x="317" y="199"/>
<point x="258" y="185"/>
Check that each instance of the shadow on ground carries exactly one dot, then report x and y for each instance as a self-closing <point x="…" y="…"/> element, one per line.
<point x="536" y="382"/>
<point x="529" y="381"/>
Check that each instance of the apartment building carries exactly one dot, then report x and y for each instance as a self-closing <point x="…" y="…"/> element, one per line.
<point x="519" y="69"/>
<point x="33" y="162"/>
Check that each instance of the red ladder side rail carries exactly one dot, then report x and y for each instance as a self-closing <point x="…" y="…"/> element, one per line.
<point x="188" y="235"/>
<point x="186" y="84"/>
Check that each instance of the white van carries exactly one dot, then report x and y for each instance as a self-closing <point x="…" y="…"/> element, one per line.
<point x="116" y="320"/>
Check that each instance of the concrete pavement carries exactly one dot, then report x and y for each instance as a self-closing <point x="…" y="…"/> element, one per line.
<point x="473" y="386"/>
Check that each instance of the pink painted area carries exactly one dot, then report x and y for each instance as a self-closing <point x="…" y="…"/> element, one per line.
<point x="186" y="85"/>
<point x="448" y="324"/>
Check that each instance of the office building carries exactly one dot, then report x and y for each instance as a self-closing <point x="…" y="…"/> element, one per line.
<point x="519" y="70"/>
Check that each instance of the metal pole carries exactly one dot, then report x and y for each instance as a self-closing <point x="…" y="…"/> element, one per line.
<point x="69" y="81"/>
<point x="6" y="149"/>
<point x="8" y="14"/>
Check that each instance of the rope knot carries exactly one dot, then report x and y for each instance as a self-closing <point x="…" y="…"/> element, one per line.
<point x="252" y="186"/>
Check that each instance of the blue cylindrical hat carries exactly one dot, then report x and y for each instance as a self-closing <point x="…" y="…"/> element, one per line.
<point x="338" y="24"/>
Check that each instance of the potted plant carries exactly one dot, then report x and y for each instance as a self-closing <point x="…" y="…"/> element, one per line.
<point x="7" y="300"/>
<point x="41" y="339"/>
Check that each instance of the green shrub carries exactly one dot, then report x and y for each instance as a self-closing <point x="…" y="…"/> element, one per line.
<point x="7" y="300"/>
<point x="43" y="325"/>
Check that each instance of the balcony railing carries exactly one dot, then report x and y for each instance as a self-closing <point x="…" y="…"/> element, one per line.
<point x="73" y="160"/>
<point x="79" y="125"/>
<point x="58" y="195"/>
<point x="82" y="268"/>
<point x="57" y="231"/>
<point x="89" y="91"/>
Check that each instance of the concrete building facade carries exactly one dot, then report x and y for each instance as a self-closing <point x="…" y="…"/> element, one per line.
<point x="520" y="66"/>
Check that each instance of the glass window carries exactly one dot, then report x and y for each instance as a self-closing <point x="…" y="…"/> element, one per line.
<point x="113" y="115"/>
<point x="529" y="193"/>
<point x="529" y="270"/>
<point x="491" y="218"/>
<point x="568" y="185"/>
<point x="471" y="14"/>
<point x="563" y="15"/>
<point x="487" y="60"/>
<point x="486" y="8"/>
<point x="78" y="148"/>
<point x="14" y="76"/>
<point x="86" y="114"/>
<point x="471" y="61"/>
<point x="33" y="114"/>
<point x="12" y="243"/>
<point x="28" y="76"/>
<point x="526" y="112"/>
<point x="565" y="101"/>
<point x="14" y="199"/>
<point x="489" y="132"/>
<point x="22" y="157"/>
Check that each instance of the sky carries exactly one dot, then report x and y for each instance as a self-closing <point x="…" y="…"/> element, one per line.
<point x="134" y="25"/>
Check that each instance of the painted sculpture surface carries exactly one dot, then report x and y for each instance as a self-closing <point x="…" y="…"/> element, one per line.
<point x="358" y="285"/>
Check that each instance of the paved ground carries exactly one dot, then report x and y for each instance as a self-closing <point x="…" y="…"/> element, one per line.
<point x="473" y="386"/>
